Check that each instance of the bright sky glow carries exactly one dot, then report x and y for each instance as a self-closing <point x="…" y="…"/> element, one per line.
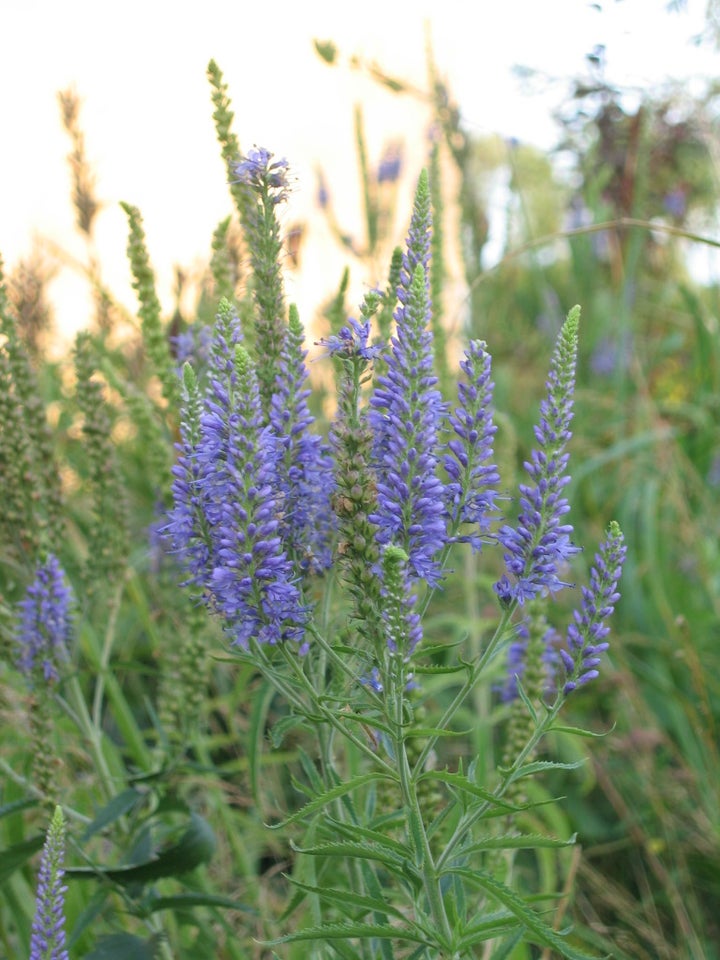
<point x="139" y="68"/>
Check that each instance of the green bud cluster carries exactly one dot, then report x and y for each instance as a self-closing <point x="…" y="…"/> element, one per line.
<point x="154" y="335"/>
<point x="32" y="494"/>
<point x="183" y="684"/>
<point x="107" y="534"/>
<point x="263" y="233"/>
<point x="534" y="683"/>
<point x="223" y="117"/>
<point x="45" y="762"/>
<point x="353" y="502"/>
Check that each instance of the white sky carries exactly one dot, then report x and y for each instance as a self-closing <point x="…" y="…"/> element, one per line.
<point x="139" y="68"/>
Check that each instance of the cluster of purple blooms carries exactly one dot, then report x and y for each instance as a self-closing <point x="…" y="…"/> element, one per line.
<point x="44" y="627"/>
<point x="258" y="170"/>
<point x="252" y="514"/>
<point x="232" y="491"/>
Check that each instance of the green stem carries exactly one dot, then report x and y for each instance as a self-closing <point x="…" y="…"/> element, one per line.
<point x="93" y="735"/>
<point x="473" y="676"/>
<point x="28" y="786"/>
<point x="472" y="816"/>
<point x="104" y="663"/>
<point x="424" y="860"/>
<point x="329" y="716"/>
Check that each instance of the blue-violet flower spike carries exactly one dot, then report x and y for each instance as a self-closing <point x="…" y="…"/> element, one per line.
<point x="47" y="940"/>
<point x="406" y="412"/>
<point x="470" y="492"/>
<point x="586" y="634"/>
<point x="187" y="526"/>
<point x="44" y="629"/>
<point x="251" y="579"/>
<point x="305" y="469"/>
<point x="540" y="544"/>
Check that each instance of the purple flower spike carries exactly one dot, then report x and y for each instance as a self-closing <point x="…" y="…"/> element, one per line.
<point x="305" y="470"/>
<point x="225" y="523"/>
<point x="470" y="494"/>
<point x="390" y="164"/>
<point x="187" y="529"/>
<point x="251" y="577"/>
<point x="45" y="627"/>
<point x="47" y="941"/>
<point x="540" y="544"/>
<point x="406" y="413"/>
<point x="586" y="635"/>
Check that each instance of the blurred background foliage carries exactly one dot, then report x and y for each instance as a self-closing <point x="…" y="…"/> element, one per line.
<point x="619" y="218"/>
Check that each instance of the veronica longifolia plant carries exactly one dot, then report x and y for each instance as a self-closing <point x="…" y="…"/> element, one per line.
<point x="321" y="559"/>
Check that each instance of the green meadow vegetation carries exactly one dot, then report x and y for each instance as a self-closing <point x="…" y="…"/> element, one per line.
<point x="200" y="802"/>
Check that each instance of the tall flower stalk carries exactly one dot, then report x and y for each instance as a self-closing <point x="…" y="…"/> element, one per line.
<point x="539" y="546"/>
<point x="406" y="414"/>
<point x="304" y="468"/>
<point x="225" y="522"/>
<point x="43" y="636"/>
<point x="588" y="630"/>
<point x="470" y="492"/>
<point x="47" y="941"/>
<point x="266" y="181"/>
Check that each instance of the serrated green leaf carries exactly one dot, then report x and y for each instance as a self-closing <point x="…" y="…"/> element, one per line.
<point x="367" y="721"/>
<point x="182" y="901"/>
<point x="256" y="733"/>
<point x="117" y="807"/>
<point x="542" y="766"/>
<point x="17" y="805"/>
<point x="537" y="930"/>
<point x="438" y="670"/>
<point x="437" y="732"/>
<point x="504" y="951"/>
<point x="524" y="697"/>
<point x="279" y="730"/>
<point x="310" y="771"/>
<point x="486" y="929"/>
<point x="358" y="851"/>
<point x="347" y="897"/>
<point x="417" y="832"/>
<point x="461" y="782"/>
<point x="195" y="846"/>
<point x="523" y="841"/>
<point x="579" y="731"/>
<point x="348" y="931"/>
<point x="15" y="856"/>
<point x="120" y="946"/>
<point x="354" y="832"/>
<point x="342" y="789"/>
